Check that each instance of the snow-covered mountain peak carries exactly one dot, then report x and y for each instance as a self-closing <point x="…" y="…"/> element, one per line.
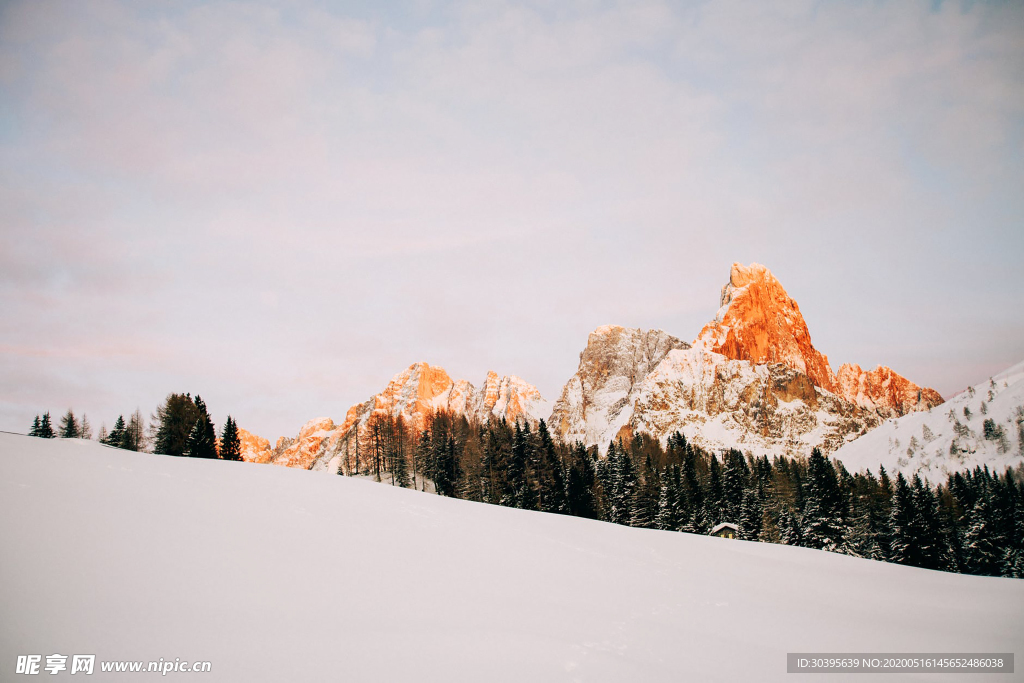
<point x="758" y="321"/>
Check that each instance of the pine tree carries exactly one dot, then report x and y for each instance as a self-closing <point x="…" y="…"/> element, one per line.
<point x="36" y="428"/>
<point x="84" y="428"/>
<point x="551" y="478"/>
<point x="901" y="523"/>
<point x="644" y="503"/>
<point x="734" y="481"/>
<point x="982" y="551"/>
<point x="446" y="469"/>
<point x="714" y="503"/>
<point x="623" y="485"/>
<point x="789" y="528"/>
<point x="202" y="439"/>
<point x="230" y="445"/>
<point x="581" y="481"/>
<point x="134" y="438"/>
<point x="667" y="517"/>
<point x="45" y="428"/>
<point x="520" y="492"/>
<point x="116" y="436"/>
<point x="174" y="421"/>
<point x="823" y="523"/>
<point x="751" y="516"/>
<point x="400" y="470"/>
<point x="670" y="516"/>
<point x="930" y="550"/>
<point x="68" y="426"/>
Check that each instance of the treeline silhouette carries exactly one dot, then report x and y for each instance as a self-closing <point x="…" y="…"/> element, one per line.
<point x="180" y="426"/>
<point x="972" y="523"/>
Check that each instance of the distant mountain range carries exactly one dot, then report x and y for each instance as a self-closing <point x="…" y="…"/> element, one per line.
<point x="751" y="380"/>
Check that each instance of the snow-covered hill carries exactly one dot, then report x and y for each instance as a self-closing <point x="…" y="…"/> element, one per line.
<point x="950" y="437"/>
<point x="278" y="574"/>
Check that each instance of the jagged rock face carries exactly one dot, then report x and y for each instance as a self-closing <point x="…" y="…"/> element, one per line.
<point x="421" y="389"/>
<point x="413" y="394"/>
<point x="884" y="391"/>
<point x="511" y="398"/>
<point x="254" y="448"/>
<point x="765" y="409"/>
<point x="597" y="401"/>
<point x="308" y="445"/>
<point x="759" y="322"/>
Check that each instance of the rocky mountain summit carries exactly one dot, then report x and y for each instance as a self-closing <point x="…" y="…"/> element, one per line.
<point x="759" y="322"/>
<point x="597" y="402"/>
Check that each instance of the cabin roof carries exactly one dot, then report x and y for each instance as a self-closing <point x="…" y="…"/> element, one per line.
<point x="725" y="525"/>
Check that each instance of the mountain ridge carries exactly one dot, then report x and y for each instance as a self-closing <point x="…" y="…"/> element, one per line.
<point x="751" y="377"/>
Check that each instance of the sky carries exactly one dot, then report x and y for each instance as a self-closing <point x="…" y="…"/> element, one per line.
<point x="280" y="205"/>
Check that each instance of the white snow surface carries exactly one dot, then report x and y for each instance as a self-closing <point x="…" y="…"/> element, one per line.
<point x="930" y="453"/>
<point x="278" y="574"/>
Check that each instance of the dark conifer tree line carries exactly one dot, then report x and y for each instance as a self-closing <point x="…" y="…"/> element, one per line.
<point x="180" y="426"/>
<point x="972" y="523"/>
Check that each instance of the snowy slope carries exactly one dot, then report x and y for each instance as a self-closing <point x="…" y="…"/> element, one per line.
<point x="277" y="574"/>
<point x="945" y="439"/>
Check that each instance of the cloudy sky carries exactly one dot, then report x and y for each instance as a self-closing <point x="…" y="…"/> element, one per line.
<point x="280" y="205"/>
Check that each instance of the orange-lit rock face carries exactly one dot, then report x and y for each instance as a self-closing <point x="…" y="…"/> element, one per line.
<point x="884" y="391"/>
<point x="308" y="444"/>
<point x="759" y="322"/>
<point x="415" y="392"/>
<point x="422" y="389"/>
<point x="254" y="448"/>
<point x="413" y="395"/>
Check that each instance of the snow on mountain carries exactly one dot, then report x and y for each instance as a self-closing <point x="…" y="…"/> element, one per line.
<point x="413" y="394"/>
<point x="983" y="426"/>
<point x="752" y="381"/>
<point x="597" y="402"/>
<point x="259" y="570"/>
<point x="758" y="321"/>
<point x="765" y="409"/>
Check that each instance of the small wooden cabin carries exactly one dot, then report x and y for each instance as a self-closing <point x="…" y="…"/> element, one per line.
<point x="725" y="530"/>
